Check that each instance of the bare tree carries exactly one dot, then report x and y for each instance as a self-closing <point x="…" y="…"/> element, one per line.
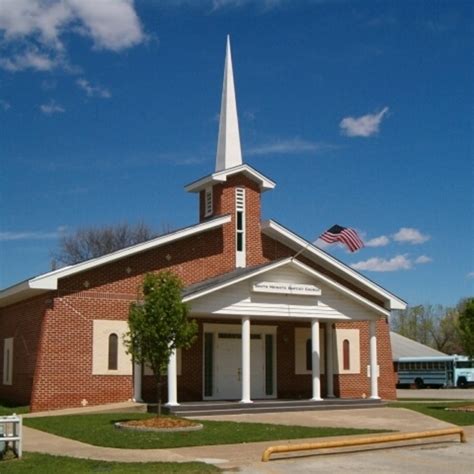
<point x="433" y="325"/>
<point x="91" y="242"/>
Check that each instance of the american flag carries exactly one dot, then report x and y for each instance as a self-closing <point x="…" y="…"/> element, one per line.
<point x="345" y="235"/>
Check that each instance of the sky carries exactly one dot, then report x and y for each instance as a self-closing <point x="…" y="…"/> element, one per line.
<point x="361" y="112"/>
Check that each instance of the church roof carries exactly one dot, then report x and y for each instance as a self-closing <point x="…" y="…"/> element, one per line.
<point x="280" y="233"/>
<point x="221" y="176"/>
<point x="49" y="281"/>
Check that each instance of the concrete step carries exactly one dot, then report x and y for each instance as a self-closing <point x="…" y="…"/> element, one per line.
<point x="220" y="408"/>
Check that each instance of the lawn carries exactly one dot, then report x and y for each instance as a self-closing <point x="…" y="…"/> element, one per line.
<point x="8" y="409"/>
<point x="99" y="430"/>
<point x="32" y="462"/>
<point x="438" y="410"/>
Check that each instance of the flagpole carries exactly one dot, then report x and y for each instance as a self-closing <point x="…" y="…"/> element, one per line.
<point x="301" y="250"/>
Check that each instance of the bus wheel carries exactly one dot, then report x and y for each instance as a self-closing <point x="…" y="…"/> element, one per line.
<point x="419" y="383"/>
<point x="462" y="382"/>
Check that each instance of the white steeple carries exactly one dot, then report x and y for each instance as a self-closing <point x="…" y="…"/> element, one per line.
<point x="229" y="153"/>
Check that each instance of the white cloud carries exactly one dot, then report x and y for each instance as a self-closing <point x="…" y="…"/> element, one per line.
<point x="321" y="244"/>
<point x="409" y="235"/>
<point x="29" y="235"/>
<point x="33" y="29"/>
<point x="288" y="147"/>
<point x="375" y="264"/>
<point x="30" y="59"/>
<point x="423" y="259"/>
<point x="93" y="91"/>
<point x="112" y="24"/>
<point x="52" y="108"/>
<point x="5" y="105"/>
<point x="381" y="241"/>
<point x="364" y="126"/>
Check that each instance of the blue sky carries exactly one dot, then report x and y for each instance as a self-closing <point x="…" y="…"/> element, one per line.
<point x="360" y="111"/>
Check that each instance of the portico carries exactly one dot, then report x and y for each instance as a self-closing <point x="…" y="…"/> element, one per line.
<point x="245" y="354"/>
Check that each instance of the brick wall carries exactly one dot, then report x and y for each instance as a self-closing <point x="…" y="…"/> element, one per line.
<point x="58" y="337"/>
<point x="23" y="322"/>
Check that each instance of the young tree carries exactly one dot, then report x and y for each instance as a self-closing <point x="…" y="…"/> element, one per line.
<point x="159" y="324"/>
<point x="466" y="325"/>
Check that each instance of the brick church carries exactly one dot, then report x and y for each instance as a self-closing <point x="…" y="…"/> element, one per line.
<point x="278" y="318"/>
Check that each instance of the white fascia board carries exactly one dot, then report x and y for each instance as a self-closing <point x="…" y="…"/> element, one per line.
<point x="235" y="280"/>
<point x="271" y="228"/>
<point x="49" y="281"/>
<point x="221" y="176"/>
<point x="340" y="288"/>
<point x="301" y="266"/>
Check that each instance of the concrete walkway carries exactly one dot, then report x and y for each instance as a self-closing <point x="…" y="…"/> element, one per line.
<point x="233" y="455"/>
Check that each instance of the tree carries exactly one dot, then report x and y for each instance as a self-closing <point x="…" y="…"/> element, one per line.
<point x="92" y="242"/>
<point x="466" y="325"/>
<point x="433" y="325"/>
<point x="159" y="324"/>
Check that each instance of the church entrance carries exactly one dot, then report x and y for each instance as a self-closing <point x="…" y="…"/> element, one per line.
<point x="227" y="363"/>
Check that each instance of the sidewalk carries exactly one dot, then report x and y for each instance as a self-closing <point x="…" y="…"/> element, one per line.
<point x="232" y="455"/>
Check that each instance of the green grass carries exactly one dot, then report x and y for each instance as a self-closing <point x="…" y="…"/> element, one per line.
<point x="8" y="409"/>
<point x="32" y="462"/>
<point x="437" y="410"/>
<point x="99" y="430"/>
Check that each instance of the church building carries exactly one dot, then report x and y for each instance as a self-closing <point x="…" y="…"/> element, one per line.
<point x="278" y="318"/>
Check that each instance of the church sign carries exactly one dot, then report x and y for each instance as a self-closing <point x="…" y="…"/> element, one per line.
<point x="286" y="288"/>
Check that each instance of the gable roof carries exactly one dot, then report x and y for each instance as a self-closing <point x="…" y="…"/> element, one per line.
<point x="212" y="285"/>
<point x="404" y="347"/>
<point x="221" y="176"/>
<point x="49" y="281"/>
<point x="280" y="233"/>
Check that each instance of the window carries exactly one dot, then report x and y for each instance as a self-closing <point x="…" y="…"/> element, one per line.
<point x="346" y="354"/>
<point x="113" y="352"/>
<point x="240" y="226"/>
<point x="208" y="202"/>
<point x="8" y="361"/>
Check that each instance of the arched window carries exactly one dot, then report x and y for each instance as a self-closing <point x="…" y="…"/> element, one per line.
<point x="113" y="352"/>
<point x="346" y="355"/>
<point x="309" y="355"/>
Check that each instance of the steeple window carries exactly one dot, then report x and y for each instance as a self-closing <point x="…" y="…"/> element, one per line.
<point x="240" y="227"/>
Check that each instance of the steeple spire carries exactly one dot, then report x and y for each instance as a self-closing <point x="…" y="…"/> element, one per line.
<point x="229" y="153"/>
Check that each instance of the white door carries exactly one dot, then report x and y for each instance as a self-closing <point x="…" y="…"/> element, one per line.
<point x="228" y="365"/>
<point x="228" y="359"/>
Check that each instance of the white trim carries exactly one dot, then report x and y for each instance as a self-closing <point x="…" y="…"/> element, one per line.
<point x="49" y="281"/>
<point x="275" y="230"/>
<point x="301" y="266"/>
<point x="221" y="177"/>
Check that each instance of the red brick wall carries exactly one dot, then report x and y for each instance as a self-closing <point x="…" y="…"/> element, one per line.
<point x="356" y="385"/>
<point x="22" y="322"/>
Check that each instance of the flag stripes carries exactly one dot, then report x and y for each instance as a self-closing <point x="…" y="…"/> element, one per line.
<point x="344" y="235"/>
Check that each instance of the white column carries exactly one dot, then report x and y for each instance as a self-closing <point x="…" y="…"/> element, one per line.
<point x="329" y="360"/>
<point x="137" y="382"/>
<point x="374" y="386"/>
<point x="172" y="381"/>
<point x="246" y="361"/>
<point x="315" y="358"/>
